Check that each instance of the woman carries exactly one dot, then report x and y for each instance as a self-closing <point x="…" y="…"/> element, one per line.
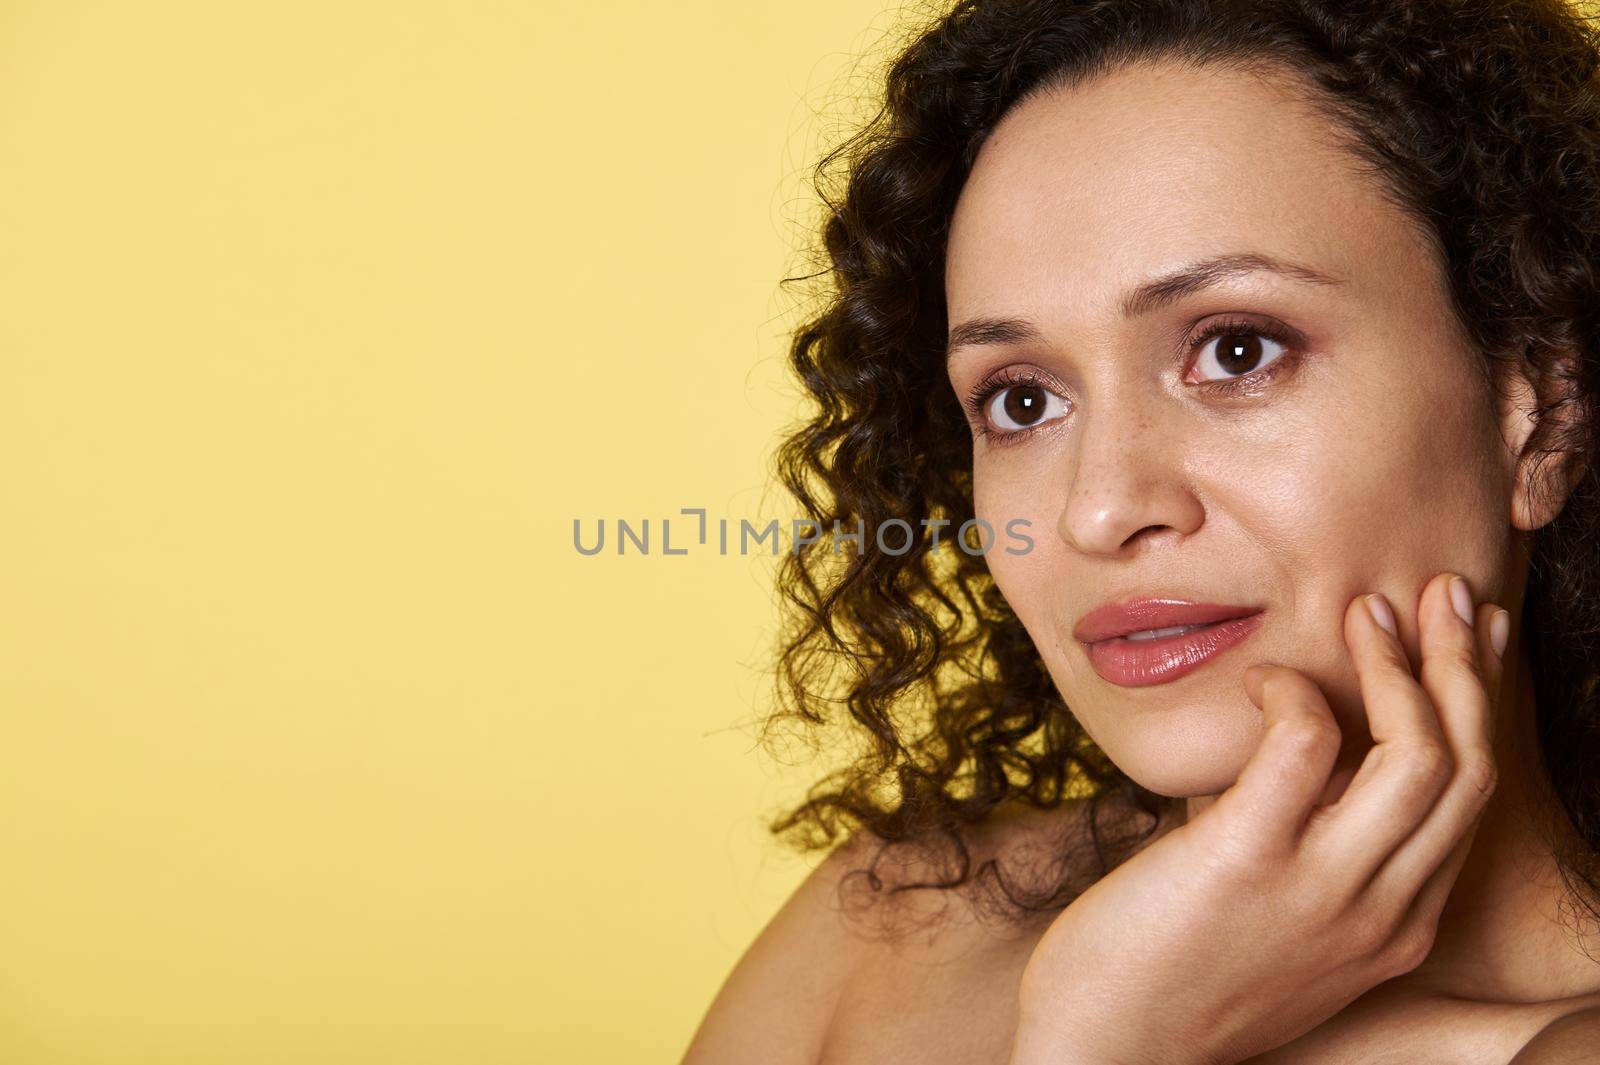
<point x="1276" y="325"/>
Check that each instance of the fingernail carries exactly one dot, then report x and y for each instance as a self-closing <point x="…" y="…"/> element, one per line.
<point x="1499" y="632"/>
<point x="1378" y="607"/>
<point x="1461" y="599"/>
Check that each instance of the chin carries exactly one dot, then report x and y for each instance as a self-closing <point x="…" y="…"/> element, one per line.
<point x="1184" y="785"/>
<point x="1205" y="763"/>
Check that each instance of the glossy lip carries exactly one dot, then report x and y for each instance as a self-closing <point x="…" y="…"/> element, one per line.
<point x="1137" y="615"/>
<point x="1137" y="664"/>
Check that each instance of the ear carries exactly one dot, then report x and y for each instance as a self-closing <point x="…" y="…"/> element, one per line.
<point x="1544" y="420"/>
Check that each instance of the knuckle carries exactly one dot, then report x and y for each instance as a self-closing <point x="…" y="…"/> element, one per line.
<point x="1308" y="741"/>
<point x="1479" y="771"/>
<point x="1426" y="767"/>
<point x="1451" y="660"/>
<point x="1409" y="948"/>
<point x="1373" y="935"/>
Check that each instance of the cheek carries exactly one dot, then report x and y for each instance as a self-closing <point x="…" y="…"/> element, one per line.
<point x="1376" y="495"/>
<point x="1036" y="582"/>
<point x="1392" y="488"/>
<point x="1371" y="458"/>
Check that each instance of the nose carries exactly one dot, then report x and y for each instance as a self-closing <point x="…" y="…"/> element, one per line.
<point x="1128" y="484"/>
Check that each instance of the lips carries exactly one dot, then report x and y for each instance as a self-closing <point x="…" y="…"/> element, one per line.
<point x="1158" y="658"/>
<point x="1136" y="615"/>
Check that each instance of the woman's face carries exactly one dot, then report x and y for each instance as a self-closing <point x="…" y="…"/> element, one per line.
<point x="1357" y="451"/>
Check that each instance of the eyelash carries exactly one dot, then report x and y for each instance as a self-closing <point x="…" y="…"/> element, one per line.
<point x="1012" y="376"/>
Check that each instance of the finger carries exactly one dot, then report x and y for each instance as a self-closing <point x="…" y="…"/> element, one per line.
<point x="1452" y="670"/>
<point x="1415" y="933"/>
<point x="1289" y="769"/>
<point x="1458" y="682"/>
<point x="1437" y="888"/>
<point x="1404" y="772"/>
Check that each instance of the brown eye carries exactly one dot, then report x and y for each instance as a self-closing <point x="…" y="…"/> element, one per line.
<point x="1023" y="406"/>
<point x="1239" y="352"/>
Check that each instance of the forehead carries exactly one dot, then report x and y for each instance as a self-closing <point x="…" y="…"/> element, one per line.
<point x="1080" y="193"/>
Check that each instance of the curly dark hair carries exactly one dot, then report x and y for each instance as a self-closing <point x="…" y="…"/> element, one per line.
<point x="1480" y="117"/>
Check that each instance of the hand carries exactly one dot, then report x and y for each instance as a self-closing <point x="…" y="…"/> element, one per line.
<point x="1266" y="913"/>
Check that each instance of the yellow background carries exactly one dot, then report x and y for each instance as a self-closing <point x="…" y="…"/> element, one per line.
<point x="321" y="323"/>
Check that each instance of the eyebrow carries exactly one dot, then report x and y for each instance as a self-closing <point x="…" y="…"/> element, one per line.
<point x="1147" y="297"/>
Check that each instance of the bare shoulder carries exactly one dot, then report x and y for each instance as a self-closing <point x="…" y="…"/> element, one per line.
<point x="857" y="926"/>
<point x="941" y="980"/>
<point x="1572" y="1039"/>
<point x="775" y="1005"/>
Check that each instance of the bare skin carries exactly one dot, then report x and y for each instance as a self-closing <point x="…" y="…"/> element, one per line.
<point x="1370" y="460"/>
<point x="924" y="978"/>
